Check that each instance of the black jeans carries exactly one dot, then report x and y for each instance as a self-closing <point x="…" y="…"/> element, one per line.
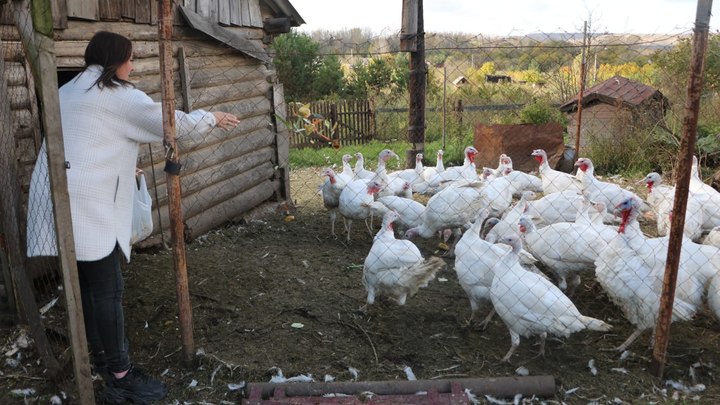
<point x="101" y="288"/>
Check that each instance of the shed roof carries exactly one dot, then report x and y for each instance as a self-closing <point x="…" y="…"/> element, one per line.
<point x="617" y="89"/>
<point x="285" y="8"/>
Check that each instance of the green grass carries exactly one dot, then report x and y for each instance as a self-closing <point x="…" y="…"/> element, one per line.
<point x="325" y="157"/>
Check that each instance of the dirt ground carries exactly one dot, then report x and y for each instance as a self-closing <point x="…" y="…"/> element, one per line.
<point x="254" y="283"/>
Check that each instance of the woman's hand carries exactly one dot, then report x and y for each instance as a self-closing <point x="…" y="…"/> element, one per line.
<point x="225" y="120"/>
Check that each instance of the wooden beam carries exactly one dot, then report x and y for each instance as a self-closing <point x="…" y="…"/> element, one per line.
<point x="282" y="141"/>
<point x="184" y="80"/>
<point x="41" y="50"/>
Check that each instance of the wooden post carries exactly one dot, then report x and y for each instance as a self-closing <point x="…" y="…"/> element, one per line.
<point x="172" y="171"/>
<point x="417" y="84"/>
<point x="10" y="202"/>
<point x="580" y="92"/>
<point x="677" y="224"/>
<point x="40" y="49"/>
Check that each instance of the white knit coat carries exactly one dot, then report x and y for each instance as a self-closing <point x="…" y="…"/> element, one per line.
<point x="102" y="130"/>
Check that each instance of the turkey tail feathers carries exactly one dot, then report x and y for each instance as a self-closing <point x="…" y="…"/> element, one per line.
<point x="424" y="272"/>
<point x="595" y="324"/>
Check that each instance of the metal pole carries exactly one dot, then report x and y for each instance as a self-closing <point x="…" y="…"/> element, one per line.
<point x="417" y="83"/>
<point x="582" y="90"/>
<point x="541" y="386"/>
<point x="677" y="224"/>
<point x="172" y="170"/>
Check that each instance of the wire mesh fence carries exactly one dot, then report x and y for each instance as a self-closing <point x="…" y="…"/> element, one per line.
<point x="577" y="251"/>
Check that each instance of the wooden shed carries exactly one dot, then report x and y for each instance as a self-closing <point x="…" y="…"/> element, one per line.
<point x="222" y="61"/>
<point x="615" y="108"/>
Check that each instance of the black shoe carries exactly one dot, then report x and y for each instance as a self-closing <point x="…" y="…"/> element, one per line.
<point x="135" y="387"/>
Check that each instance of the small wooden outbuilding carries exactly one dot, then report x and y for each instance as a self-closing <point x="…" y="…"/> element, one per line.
<point x="222" y="61"/>
<point x="615" y="108"/>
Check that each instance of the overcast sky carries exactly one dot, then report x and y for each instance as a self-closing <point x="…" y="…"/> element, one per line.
<point x="502" y="17"/>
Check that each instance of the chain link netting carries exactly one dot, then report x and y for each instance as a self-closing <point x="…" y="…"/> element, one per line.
<point x="587" y="214"/>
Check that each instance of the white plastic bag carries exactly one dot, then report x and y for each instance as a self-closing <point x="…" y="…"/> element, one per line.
<point x="142" y="223"/>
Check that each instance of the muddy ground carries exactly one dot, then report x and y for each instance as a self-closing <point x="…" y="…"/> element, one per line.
<point x="253" y="282"/>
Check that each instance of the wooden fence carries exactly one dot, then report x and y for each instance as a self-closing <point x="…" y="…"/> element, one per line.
<point x="353" y="122"/>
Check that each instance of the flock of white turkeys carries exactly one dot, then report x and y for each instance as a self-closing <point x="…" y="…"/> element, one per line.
<point x="503" y="233"/>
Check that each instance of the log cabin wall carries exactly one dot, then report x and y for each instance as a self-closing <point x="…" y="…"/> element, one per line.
<point x="225" y="174"/>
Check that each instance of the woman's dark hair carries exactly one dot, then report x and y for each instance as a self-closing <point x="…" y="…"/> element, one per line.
<point x="110" y="51"/>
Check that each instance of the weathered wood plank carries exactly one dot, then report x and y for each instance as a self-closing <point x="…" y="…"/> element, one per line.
<point x="242" y="108"/>
<point x="231" y="209"/>
<point x="128" y="9"/>
<point x="18" y="97"/>
<point x="212" y="76"/>
<point x="210" y="155"/>
<point x="235" y="13"/>
<point x="224" y="14"/>
<point x="141" y="49"/>
<point x="229" y="92"/>
<point x="214" y="139"/>
<point x="256" y="18"/>
<point x="222" y="191"/>
<point x="198" y="183"/>
<point x="84" y="9"/>
<point x="60" y="14"/>
<point x="143" y="13"/>
<point x="226" y="36"/>
<point x="15" y="74"/>
<point x="282" y="141"/>
<point x="229" y="58"/>
<point x="7" y="17"/>
<point x="13" y="52"/>
<point x="110" y="10"/>
<point x="184" y="80"/>
<point x="245" y="12"/>
<point x="207" y="9"/>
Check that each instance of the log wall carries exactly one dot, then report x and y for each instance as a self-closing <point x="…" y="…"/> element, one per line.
<point x="224" y="173"/>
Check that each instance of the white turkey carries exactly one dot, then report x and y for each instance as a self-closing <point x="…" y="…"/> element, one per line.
<point x="508" y="224"/>
<point x="696" y="183"/>
<point x="556" y="207"/>
<point x="631" y="271"/>
<point x="553" y="181"/>
<point x="412" y="176"/>
<point x="391" y="185"/>
<point x="498" y="193"/>
<point x="593" y="189"/>
<point x="347" y="174"/>
<point x="707" y="196"/>
<point x="524" y="182"/>
<point x="331" y="189"/>
<point x="713" y="296"/>
<point x="475" y="259"/>
<point x="713" y="237"/>
<point x="451" y="208"/>
<point x="661" y="199"/>
<point x="531" y="305"/>
<point x="394" y="267"/>
<point x="567" y="249"/>
<point x="410" y="211"/>
<point x="360" y="171"/>
<point x="430" y="172"/>
<point x="355" y="200"/>
<point x="466" y="172"/>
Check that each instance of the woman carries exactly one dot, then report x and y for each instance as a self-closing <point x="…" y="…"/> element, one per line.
<point x="104" y="120"/>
